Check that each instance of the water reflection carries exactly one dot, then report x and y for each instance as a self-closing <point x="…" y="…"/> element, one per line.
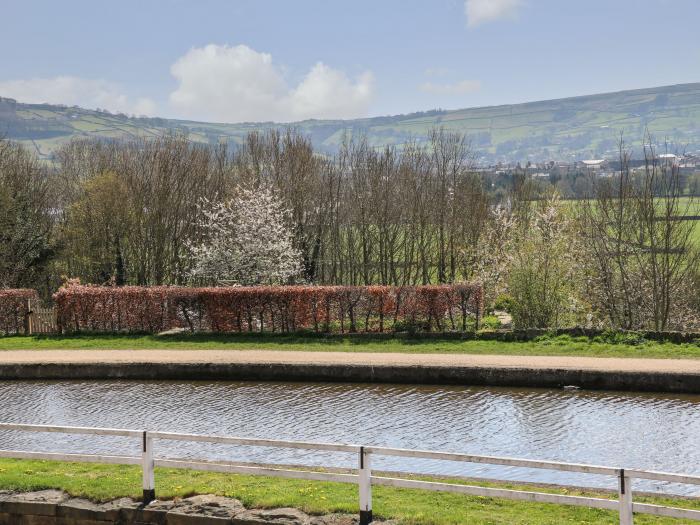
<point x="630" y="430"/>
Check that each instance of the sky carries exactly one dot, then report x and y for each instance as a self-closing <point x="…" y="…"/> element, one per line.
<point x="260" y="60"/>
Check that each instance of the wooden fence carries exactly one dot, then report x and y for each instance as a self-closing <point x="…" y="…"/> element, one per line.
<point x="363" y="477"/>
<point x="41" y="321"/>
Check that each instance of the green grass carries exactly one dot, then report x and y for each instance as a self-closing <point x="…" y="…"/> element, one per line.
<point x="687" y="206"/>
<point x="410" y="507"/>
<point x="612" y="345"/>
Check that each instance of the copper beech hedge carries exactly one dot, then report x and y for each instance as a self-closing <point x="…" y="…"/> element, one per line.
<point x="269" y="308"/>
<point x="14" y="307"/>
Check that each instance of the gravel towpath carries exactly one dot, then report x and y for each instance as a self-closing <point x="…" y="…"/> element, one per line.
<point x="691" y="366"/>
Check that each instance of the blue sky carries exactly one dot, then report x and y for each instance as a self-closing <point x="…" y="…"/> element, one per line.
<point x="236" y="60"/>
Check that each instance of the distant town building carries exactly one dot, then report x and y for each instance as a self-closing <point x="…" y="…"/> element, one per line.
<point x="594" y="164"/>
<point x="668" y="158"/>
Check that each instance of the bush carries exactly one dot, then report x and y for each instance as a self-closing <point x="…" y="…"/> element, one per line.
<point x="490" y="322"/>
<point x="268" y="308"/>
<point x="14" y="308"/>
<point x="624" y="338"/>
<point x="543" y="271"/>
<point x="410" y="327"/>
<point x="504" y="302"/>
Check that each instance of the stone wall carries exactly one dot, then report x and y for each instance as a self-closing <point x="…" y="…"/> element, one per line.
<point x="54" y="507"/>
<point x="521" y="377"/>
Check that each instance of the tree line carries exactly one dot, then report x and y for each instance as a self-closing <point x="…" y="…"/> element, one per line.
<point x="147" y="212"/>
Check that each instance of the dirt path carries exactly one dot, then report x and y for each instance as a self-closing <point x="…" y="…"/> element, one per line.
<point x="688" y="366"/>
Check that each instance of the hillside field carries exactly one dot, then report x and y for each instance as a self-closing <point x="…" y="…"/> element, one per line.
<point x="563" y="129"/>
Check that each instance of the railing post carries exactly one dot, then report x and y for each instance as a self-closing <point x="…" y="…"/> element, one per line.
<point x="149" y="482"/>
<point x="365" y="481"/>
<point x="625" y="493"/>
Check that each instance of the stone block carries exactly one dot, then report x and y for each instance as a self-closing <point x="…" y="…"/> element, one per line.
<point x="19" y="519"/>
<point x="41" y="503"/>
<point x="155" y="513"/>
<point x="80" y="509"/>
<point x="272" y="517"/>
<point x="335" y="519"/>
<point x="177" y="517"/>
<point x="119" y="510"/>
<point x="204" y="510"/>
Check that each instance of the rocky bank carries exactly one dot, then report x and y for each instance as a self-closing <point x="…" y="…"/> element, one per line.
<point x="54" y="507"/>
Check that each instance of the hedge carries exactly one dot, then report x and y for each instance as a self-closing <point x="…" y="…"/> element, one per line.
<point x="14" y="308"/>
<point x="269" y="308"/>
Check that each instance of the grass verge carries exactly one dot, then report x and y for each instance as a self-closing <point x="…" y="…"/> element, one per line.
<point x="611" y="345"/>
<point x="410" y="507"/>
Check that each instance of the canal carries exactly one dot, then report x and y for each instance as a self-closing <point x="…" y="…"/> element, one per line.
<point x="631" y="430"/>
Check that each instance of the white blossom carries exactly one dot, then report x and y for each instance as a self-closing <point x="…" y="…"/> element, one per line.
<point x="246" y="241"/>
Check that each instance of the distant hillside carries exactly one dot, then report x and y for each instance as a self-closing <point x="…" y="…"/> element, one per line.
<point x="562" y="129"/>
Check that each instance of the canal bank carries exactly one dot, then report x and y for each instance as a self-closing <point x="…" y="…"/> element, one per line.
<point x="55" y="507"/>
<point x="627" y="374"/>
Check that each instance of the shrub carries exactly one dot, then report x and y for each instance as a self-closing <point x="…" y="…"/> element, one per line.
<point x="268" y="308"/>
<point x="14" y="307"/>
<point x="543" y="271"/>
<point x="490" y="322"/>
<point x="622" y="338"/>
<point x="504" y="302"/>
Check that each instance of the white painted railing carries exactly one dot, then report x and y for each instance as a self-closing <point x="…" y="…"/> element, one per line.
<point x="364" y="478"/>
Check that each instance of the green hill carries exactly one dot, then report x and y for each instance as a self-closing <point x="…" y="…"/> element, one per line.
<point x="562" y="129"/>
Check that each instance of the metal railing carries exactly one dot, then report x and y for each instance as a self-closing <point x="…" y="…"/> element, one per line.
<point x="364" y="478"/>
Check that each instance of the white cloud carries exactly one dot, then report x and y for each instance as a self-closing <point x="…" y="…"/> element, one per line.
<point x="457" y="88"/>
<point x="329" y="93"/>
<point x="144" y="106"/>
<point x="237" y="83"/>
<point x="75" y="91"/>
<point x="481" y="11"/>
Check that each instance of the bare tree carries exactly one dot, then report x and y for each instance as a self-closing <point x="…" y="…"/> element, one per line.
<point x="160" y="182"/>
<point x="640" y="249"/>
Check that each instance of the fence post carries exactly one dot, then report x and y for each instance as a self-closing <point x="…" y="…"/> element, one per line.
<point x="28" y="318"/>
<point x="625" y="493"/>
<point x="149" y="482"/>
<point x="365" y="480"/>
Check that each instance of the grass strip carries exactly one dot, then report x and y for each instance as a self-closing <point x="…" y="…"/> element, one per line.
<point x="410" y="507"/>
<point x="563" y="345"/>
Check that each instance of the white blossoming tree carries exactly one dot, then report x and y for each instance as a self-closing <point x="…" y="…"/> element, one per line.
<point x="488" y="261"/>
<point x="245" y="241"/>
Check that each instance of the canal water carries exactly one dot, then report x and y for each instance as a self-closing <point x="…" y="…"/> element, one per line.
<point x="630" y="430"/>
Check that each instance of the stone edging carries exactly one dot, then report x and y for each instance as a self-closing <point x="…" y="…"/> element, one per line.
<point x="506" y="376"/>
<point x="54" y="507"/>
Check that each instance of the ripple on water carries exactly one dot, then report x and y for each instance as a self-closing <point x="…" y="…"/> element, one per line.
<point x="658" y="432"/>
